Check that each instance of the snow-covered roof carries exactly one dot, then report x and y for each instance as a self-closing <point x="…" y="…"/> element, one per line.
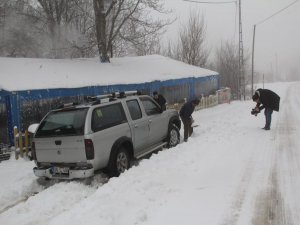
<point x="28" y="74"/>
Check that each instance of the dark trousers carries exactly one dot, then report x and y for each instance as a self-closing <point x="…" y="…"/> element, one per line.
<point x="268" y="115"/>
<point x="187" y="127"/>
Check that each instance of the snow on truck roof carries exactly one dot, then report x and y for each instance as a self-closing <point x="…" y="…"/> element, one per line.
<point x="28" y="74"/>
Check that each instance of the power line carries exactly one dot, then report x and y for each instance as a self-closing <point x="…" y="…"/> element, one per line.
<point x="242" y="86"/>
<point x="274" y="14"/>
<point x="222" y="2"/>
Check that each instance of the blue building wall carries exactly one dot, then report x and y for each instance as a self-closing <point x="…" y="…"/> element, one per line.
<point x="13" y="100"/>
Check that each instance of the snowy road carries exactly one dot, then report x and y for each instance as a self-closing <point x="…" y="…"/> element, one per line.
<point x="275" y="166"/>
<point x="230" y="172"/>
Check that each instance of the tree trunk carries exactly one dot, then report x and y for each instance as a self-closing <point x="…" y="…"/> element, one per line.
<point x="100" y="22"/>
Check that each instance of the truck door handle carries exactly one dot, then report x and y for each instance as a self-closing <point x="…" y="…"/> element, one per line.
<point x="58" y="142"/>
<point x="136" y="126"/>
<point x="150" y="121"/>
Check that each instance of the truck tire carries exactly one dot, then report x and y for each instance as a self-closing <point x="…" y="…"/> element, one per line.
<point x="119" y="162"/>
<point x="173" y="136"/>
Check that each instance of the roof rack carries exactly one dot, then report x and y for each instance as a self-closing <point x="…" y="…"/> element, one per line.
<point x="98" y="99"/>
<point x="67" y="105"/>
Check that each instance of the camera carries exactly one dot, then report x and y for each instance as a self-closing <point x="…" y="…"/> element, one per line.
<point x="254" y="112"/>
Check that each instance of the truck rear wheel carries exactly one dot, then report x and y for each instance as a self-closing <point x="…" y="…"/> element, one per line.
<point x="119" y="162"/>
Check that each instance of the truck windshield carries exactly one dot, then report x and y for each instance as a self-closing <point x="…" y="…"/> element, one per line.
<point x="67" y="122"/>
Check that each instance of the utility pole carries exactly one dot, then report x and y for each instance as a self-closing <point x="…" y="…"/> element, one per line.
<point x="241" y="82"/>
<point x="252" y="72"/>
<point x="276" y="68"/>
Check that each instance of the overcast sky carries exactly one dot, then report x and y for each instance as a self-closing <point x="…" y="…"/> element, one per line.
<point x="277" y="42"/>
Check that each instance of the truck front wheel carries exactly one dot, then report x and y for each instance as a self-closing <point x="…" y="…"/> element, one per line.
<point x="173" y="136"/>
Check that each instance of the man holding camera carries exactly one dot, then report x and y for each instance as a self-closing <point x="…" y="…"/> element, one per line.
<point x="268" y="100"/>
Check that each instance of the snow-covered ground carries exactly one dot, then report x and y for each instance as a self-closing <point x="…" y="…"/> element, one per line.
<point x="230" y="172"/>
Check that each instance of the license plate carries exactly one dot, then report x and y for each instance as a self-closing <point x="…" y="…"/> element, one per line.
<point x="60" y="170"/>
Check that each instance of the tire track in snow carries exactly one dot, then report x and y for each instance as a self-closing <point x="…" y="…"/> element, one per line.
<point x="255" y="172"/>
<point x="270" y="208"/>
<point x="240" y="195"/>
<point x="58" y="197"/>
<point x="36" y="187"/>
<point x="251" y="172"/>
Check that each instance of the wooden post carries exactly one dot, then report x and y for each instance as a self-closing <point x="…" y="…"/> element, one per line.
<point x="16" y="142"/>
<point x="21" y="144"/>
<point x="26" y="143"/>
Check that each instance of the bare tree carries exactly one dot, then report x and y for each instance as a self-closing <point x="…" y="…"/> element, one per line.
<point x="3" y="6"/>
<point x="148" y="45"/>
<point x="47" y="28"/>
<point x="70" y="26"/>
<point x="227" y="64"/>
<point x="3" y="15"/>
<point x="83" y="24"/>
<point x="190" y="47"/>
<point x="17" y="31"/>
<point x="119" y="22"/>
<point x="141" y="34"/>
<point x="192" y="37"/>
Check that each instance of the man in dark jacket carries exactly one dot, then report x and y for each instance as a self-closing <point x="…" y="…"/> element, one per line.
<point x="160" y="100"/>
<point x="186" y="116"/>
<point x="268" y="100"/>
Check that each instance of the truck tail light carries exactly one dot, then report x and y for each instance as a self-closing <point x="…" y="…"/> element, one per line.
<point x="33" y="154"/>
<point x="89" y="149"/>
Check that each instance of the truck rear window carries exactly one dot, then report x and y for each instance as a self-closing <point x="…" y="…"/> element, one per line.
<point x="63" y="123"/>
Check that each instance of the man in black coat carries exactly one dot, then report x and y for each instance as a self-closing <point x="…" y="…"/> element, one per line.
<point x="186" y="117"/>
<point x="268" y="100"/>
<point x="160" y="100"/>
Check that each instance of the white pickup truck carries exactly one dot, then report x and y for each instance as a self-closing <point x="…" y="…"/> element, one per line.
<point x="76" y="140"/>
